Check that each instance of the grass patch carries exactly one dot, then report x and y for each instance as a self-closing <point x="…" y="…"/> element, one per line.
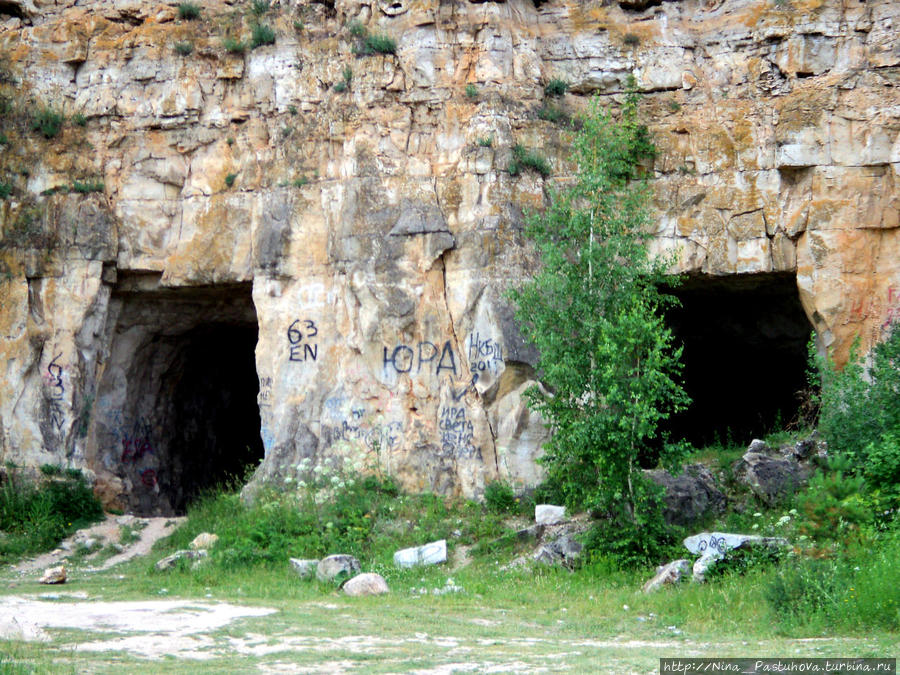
<point x="259" y="7"/>
<point x="554" y="114"/>
<point x="525" y="158"/>
<point x="471" y="91"/>
<point x="87" y="186"/>
<point x="234" y="46"/>
<point x="380" y="44"/>
<point x="47" y="122"/>
<point x="35" y="515"/>
<point x="229" y="179"/>
<point x="79" y="119"/>
<point x="184" y="48"/>
<point x="556" y="88"/>
<point x="485" y="141"/>
<point x="188" y="11"/>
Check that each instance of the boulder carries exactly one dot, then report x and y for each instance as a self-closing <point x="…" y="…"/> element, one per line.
<point x="713" y="546"/>
<point x="770" y="478"/>
<point x="563" y="550"/>
<point x="54" y="575"/>
<point x="548" y="514"/>
<point x="305" y="569"/>
<point x="204" y="540"/>
<point x="671" y="573"/>
<point x="689" y="496"/>
<point x="170" y="561"/>
<point x="429" y="554"/>
<point x="336" y="566"/>
<point x="365" y="584"/>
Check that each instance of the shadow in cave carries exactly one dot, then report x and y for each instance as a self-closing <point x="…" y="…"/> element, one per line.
<point x="215" y="432"/>
<point x="745" y="354"/>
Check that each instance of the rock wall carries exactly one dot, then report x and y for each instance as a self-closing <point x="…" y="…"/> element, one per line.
<point x="375" y="229"/>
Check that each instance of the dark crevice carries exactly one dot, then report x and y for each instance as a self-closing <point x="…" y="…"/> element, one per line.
<point x="11" y="9"/>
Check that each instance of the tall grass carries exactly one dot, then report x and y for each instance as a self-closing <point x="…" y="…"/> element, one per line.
<point x="36" y="514"/>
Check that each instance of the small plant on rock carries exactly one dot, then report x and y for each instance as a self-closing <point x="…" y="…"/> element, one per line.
<point x="631" y="39"/>
<point x="188" y="11"/>
<point x="380" y="44"/>
<point x="262" y="35"/>
<point x="471" y="91"/>
<point x="524" y="158"/>
<point x="485" y="141"/>
<point x="184" y="48"/>
<point x="47" y="122"/>
<point x="79" y="119"/>
<point x="259" y="7"/>
<point x="229" y="179"/>
<point x="233" y="46"/>
<point x="556" y="88"/>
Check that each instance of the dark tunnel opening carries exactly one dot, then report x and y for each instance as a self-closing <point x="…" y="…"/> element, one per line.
<point x="745" y="354"/>
<point x="176" y="408"/>
<point x="215" y="434"/>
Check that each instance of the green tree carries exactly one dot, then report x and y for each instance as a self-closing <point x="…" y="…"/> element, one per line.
<point x="607" y="363"/>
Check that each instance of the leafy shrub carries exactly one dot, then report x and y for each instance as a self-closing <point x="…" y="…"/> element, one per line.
<point x="556" y="87"/>
<point x="524" y="158"/>
<point x="499" y="497"/>
<point x="859" y="414"/>
<point x="229" y="179"/>
<point x="184" y="48"/>
<point x="262" y="35"/>
<point x="631" y="39"/>
<point x="47" y="122"/>
<point x="340" y="87"/>
<point x="233" y="46"/>
<point x="188" y="11"/>
<point x="471" y="91"/>
<point x="5" y="190"/>
<point x="50" y="469"/>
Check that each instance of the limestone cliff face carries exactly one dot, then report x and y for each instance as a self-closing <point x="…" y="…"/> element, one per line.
<point x="369" y="234"/>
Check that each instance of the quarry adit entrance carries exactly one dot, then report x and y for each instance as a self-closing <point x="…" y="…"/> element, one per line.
<point x="176" y="409"/>
<point x="745" y="353"/>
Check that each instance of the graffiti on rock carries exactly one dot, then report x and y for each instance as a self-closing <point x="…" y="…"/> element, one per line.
<point x="425" y="356"/>
<point x="485" y="354"/>
<point x="301" y="347"/>
<point x="56" y="391"/>
<point x="457" y="433"/>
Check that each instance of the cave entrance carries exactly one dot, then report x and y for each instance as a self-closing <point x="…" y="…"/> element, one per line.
<point x="745" y="353"/>
<point x="176" y="409"/>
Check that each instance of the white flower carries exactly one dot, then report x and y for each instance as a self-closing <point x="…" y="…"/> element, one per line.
<point x="755" y="526"/>
<point x="301" y="484"/>
<point x="784" y="520"/>
<point x="757" y="515"/>
<point x="288" y="480"/>
<point x="318" y="468"/>
<point x="793" y="512"/>
<point x="335" y="480"/>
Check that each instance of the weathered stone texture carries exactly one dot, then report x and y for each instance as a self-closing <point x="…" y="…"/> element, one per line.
<point x="378" y="235"/>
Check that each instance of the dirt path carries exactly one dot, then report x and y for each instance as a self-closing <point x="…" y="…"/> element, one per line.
<point x="102" y="534"/>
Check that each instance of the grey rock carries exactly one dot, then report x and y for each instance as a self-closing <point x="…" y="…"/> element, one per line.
<point x="690" y="496"/>
<point x="305" y="569"/>
<point x="714" y="546"/>
<point x="771" y="479"/>
<point x="170" y="561"/>
<point x="365" y="584"/>
<point x="668" y="574"/>
<point x="204" y="540"/>
<point x="335" y="566"/>
<point x="563" y="550"/>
